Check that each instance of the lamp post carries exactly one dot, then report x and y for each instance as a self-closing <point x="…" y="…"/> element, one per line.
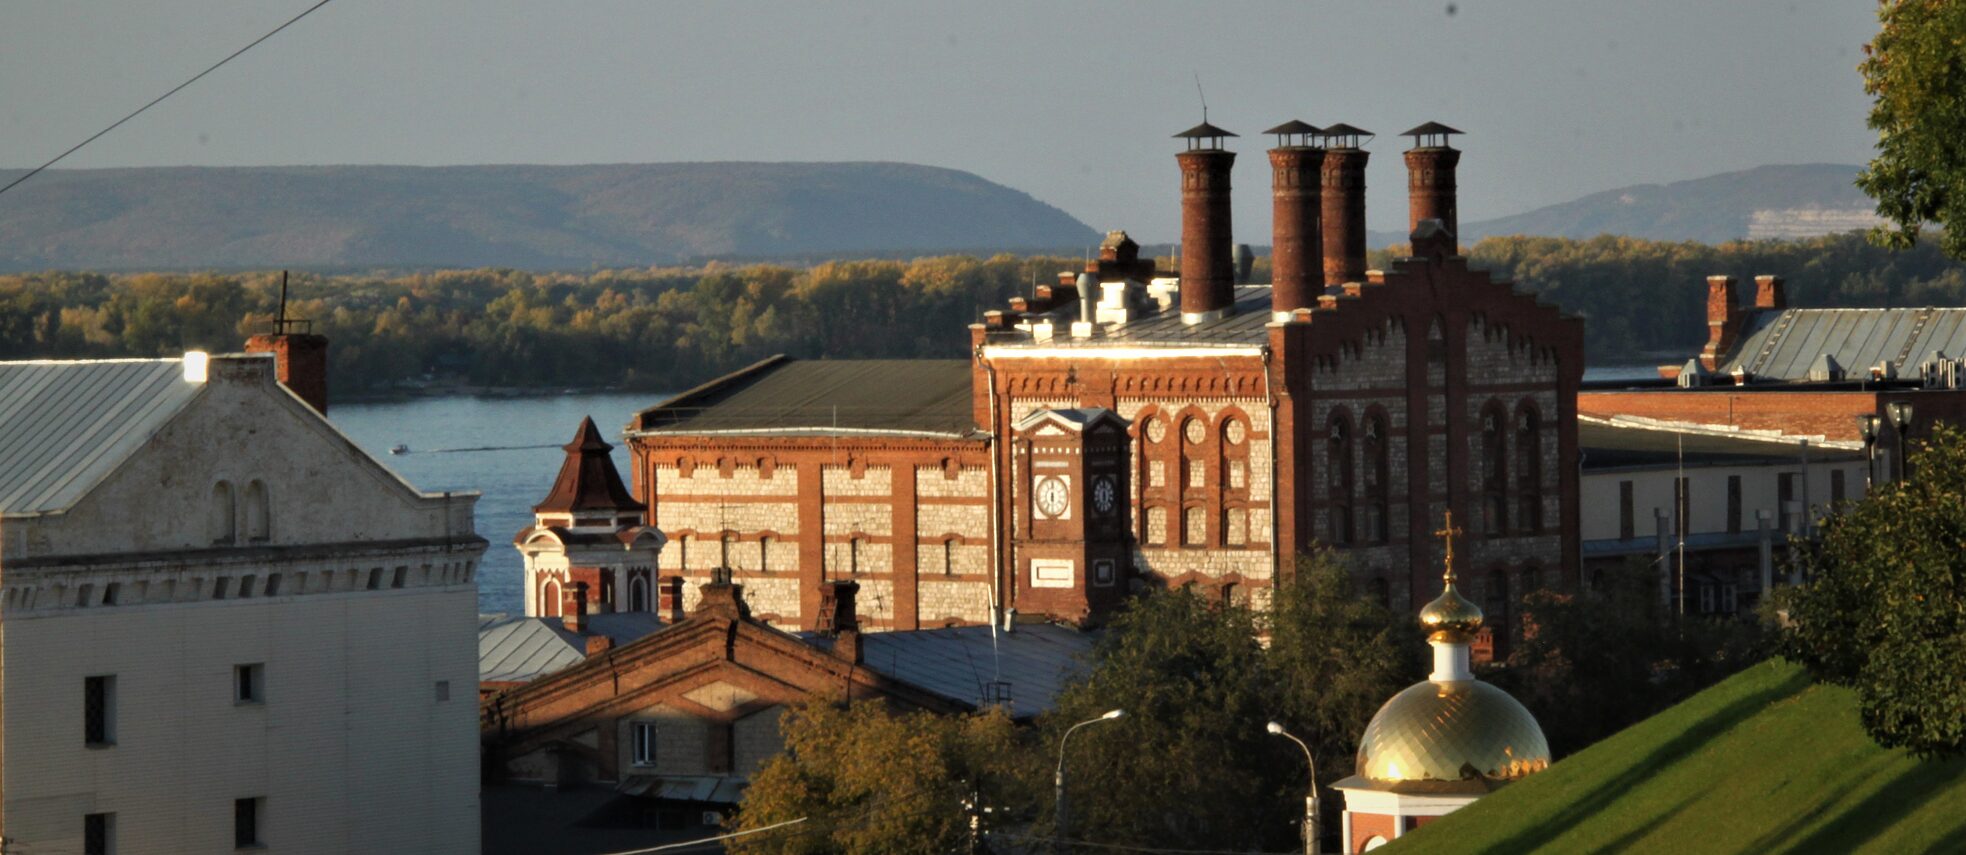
<point x="1310" y="801"/>
<point x="1867" y="428"/>
<point x="1900" y="412"/>
<point x="1058" y="779"/>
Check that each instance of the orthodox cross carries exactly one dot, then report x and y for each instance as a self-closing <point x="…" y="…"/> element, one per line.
<point x="1447" y="534"/>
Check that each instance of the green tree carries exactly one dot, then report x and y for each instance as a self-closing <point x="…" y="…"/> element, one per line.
<point x="869" y="780"/>
<point x="1884" y="611"/>
<point x="1916" y="72"/>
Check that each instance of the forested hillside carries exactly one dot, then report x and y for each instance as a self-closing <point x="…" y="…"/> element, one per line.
<point x="667" y="328"/>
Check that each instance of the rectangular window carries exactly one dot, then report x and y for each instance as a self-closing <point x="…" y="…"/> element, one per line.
<point x="99" y="710"/>
<point x="1836" y="488"/>
<point x="249" y="683"/>
<point x="98" y="834"/>
<point x="401" y="575"/>
<point x="1625" y="529"/>
<point x="111" y="593"/>
<point x="1784" y="494"/>
<point x="221" y="586"/>
<point x="273" y="584"/>
<point x="443" y="691"/>
<point x="245" y="586"/>
<point x="246" y="817"/>
<point x="1733" y="504"/>
<point x="643" y="738"/>
<point x="375" y="578"/>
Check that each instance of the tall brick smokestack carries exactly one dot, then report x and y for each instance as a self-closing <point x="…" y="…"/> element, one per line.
<point x="1296" y="242"/>
<point x="1430" y="179"/>
<point x="1344" y="204"/>
<point x="1208" y="273"/>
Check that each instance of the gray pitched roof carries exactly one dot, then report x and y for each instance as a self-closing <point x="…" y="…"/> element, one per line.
<point x="958" y="662"/>
<point x="519" y="649"/>
<point x="821" y="397"/>
<point x="1782" y="345"/>
<point x="66" y="425"/>
<point x="1248" y="326"/>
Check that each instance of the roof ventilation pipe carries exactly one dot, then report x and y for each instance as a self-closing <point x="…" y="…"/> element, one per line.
<point x="1208" y="275"/>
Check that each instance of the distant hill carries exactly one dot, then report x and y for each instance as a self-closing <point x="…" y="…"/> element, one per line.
<point x="1789" y="201"/>
<point x="1765" y="762"/>
<point x="537" y="217"/>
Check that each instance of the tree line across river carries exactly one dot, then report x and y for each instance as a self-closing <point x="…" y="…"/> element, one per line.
<point x="667" y="328"/>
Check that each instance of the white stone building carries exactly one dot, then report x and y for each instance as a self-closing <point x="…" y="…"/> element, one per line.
<point x="222" y="625"/>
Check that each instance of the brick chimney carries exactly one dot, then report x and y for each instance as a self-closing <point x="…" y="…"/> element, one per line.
<point x="1208" y="276"/>
<point x="300" y="357"/>
<point x="1430" y="178"/>
<point x="1296" y="242"/>
<point x="1770" y="292"/>
<point x="836" y="609"/>
<point x="576" y="617"/>
<point x="669" y="598"/>
<point x="1344" y="204"/>
<point x="599" y="644"/>
<point x="1724" y="321"/>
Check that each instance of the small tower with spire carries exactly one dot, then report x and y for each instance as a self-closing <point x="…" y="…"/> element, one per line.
<point x="589" y="547"/>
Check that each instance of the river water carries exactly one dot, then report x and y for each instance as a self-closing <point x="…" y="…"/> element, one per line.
<point x="509" y="450"/>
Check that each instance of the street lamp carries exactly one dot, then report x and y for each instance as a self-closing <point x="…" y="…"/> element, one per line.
<point x="1900" y="412"/>
<point x="1310" y="801"/>
<point x="1058" y="779"/>
<point x="1867" y="428"/>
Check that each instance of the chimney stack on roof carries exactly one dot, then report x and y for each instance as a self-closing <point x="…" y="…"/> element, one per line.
<point x="300" y="357"/>
<point x="1430" y="178"/>
<point x="839" y="619"/>
<point x="576" y="617"/>
<point x="1296" y="241"/>
<point x="1770" y="292"/>
<point x="669" y="598"/>
<point x="1344" y="203"/>
<point x="1207" y="264"/>
<point x="1724" y="321"/>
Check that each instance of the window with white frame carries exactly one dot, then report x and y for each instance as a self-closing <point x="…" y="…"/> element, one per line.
<point x="642" y="743"/>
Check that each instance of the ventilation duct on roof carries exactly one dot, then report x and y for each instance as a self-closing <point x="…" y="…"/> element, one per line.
<point x="1694" y="374"/>
<point x="1825" y="369"/>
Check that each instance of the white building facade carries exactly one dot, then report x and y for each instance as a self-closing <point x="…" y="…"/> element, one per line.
<point x="222" y="625"/>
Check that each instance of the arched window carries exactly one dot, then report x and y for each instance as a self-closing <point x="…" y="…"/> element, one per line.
<point x="258" y="513"/>
<point x="1233" y="444"/>
<point x="638" y="594"/>
<point x="1339" y="481"/>
<point x="549" y="599"/>
<point x="1497" y="608"/>
<point x="1378" y="475"/>
<point x="1193" y="432"/>
<point x="1529" y="469"/>
<point x="764" y="554"/>
<point x="1194" y="526"/>
<point x="223" y="519"/>
<point x="1494" y="471"/>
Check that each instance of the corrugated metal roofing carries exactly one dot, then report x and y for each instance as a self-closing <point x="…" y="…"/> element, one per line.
<point x="1783" y="345"/>
<point x="821" y="396"/>
<point x="959" y="662"/>
<point x="518" y="649"/>
<point x="64" y="426"/>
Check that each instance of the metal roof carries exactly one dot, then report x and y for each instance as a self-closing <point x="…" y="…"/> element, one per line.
<point x="1617" y="446"/>
<point x="959" y="662"/>
<point x="824" y="397"/>
<point x="519" y="649"/>
<point x="1431" y="129"/>
<point x="1203" y="131"/>
<point x="1246" y="327"/>
<point x="1782" y="345"/>
<point x="66" y="425"/>
<point x="1295" y="126"/>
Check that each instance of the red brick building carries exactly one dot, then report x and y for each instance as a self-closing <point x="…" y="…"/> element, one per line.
<point x="1121" y="429"/>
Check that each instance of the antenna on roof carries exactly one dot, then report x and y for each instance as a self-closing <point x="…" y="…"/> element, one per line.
<point x="1203" y="97"/>
<point x="280" y="322"/>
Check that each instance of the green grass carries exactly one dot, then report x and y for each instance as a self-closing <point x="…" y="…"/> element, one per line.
<point x="1764" y="762"/>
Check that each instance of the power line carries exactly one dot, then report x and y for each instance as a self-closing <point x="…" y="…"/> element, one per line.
<point x="154" y="102"/>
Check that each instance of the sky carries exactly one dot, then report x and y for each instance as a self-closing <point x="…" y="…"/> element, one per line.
<point x="1071" y="102"/>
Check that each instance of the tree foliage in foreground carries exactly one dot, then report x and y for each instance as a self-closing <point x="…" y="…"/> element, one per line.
<point x="1916" y="73"/>
<point x="1884" y="610"/>
<point x="1190" y="765"/>
<point x="871" y="780"/>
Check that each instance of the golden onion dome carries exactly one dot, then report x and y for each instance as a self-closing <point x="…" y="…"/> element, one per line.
<point x="1450" y="617"/>
<point x="1452" y="731"/>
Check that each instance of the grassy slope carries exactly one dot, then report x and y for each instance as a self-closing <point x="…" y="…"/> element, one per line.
<point x="1764" y="762"/>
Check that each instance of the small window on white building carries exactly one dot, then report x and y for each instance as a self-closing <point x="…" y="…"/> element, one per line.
<point x="99" y="834"/>
<point x="223" y="514"/>
<point x="401" y="576"/>
<point x="273" y="584"/>
<point x="375" y="578"/>
<point x="249" y="683"/>
<point x="443" y="691"/>
<point x="246" y="585"/>
<point x="85" y="596"/>
<point x="221" y="587"/>
<point x="111" y="593"/>
<point x="247" y="817"/>
<point x="99" y="711"/>
<point x="258" y="513"/>
<point x="642" y="740"/>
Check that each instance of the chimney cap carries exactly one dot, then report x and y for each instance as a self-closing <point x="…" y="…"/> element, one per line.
<point x="1294" y="128"/>
<point x="1203" y="135"/>
<point x="1422" y="134"/>
<point x="1342" y="135"/>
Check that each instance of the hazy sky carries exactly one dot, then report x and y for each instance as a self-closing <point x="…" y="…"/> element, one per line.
<point x="1072" y="102"/>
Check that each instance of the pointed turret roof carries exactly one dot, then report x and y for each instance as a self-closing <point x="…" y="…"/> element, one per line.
<point x="588" y="480"/>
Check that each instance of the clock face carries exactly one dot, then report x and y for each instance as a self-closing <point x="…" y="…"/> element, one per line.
<point x="1104" y="495"/>
<point x="1053" y="497"/>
